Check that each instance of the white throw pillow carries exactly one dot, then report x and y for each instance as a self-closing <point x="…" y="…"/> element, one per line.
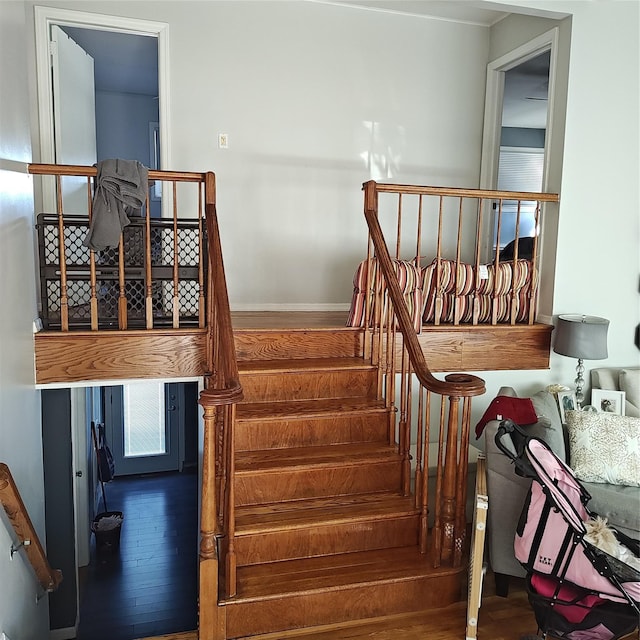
<point x="604" y="447"/>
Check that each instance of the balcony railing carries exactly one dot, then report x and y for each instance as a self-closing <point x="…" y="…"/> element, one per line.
<point x="155" y="278"/>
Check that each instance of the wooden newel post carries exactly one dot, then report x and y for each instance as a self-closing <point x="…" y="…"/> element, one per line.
<point x="208" y="598"/>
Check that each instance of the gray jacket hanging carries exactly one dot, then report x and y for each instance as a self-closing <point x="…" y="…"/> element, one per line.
<point x="121" y="189"/>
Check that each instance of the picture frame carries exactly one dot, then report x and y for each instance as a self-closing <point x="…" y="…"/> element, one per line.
<point x="566" y="402"/>
<point x="607" y="401"/>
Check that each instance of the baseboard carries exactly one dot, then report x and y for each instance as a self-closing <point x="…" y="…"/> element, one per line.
<point x="67" y="633"/>
<point x="289" y="306"/>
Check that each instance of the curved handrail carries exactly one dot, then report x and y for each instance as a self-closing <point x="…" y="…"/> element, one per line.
<point x="18" y="516"/>
<point x="455" y="384"/>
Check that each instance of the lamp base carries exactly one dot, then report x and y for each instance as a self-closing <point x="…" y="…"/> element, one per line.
<point x="579" y="382"/>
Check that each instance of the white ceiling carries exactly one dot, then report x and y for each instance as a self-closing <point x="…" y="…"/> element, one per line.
<point x="128" y="63"/>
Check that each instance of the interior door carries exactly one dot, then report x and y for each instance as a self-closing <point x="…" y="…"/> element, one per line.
<point x="142" y="424"/>
<point x="74" y="114"/>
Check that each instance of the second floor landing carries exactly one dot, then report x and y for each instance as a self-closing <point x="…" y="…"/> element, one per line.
<point x="77" y="356"/>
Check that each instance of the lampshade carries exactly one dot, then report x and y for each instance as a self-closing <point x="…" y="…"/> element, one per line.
<point x="583" y="337"/>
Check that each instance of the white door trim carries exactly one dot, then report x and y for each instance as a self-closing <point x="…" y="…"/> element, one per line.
<point x="44" y="18"/>
<point x="493" y="104"/>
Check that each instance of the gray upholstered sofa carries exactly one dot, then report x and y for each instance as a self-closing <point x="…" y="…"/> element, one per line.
<point x="507" y="491"/>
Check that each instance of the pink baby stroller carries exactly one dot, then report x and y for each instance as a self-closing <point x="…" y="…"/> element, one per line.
<point x="577" y="591"/>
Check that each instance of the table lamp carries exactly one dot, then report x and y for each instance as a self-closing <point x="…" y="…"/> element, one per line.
<point x="582" y="337"/>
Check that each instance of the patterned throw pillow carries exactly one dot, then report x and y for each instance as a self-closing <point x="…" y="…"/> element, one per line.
<point x="604" y="447"/>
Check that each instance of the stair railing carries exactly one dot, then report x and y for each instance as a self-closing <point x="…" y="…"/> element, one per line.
<point x="155" y="278"/>
<point x="222" y="392"/>
<point x="392" y="344"/>
<point x="17" y="513"/>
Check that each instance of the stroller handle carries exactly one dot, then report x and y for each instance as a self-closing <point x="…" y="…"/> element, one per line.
<point x="519" y="438"/>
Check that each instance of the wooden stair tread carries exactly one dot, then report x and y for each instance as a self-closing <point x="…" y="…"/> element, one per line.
<point x="310" y="575"/>
<point x="302" y="364"/>
<point x="335" y="455"/>
<point x="303" y="409"/>
<point x="253" y="519"/>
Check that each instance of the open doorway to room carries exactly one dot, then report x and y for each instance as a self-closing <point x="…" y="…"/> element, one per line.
<point x="522" y="150"/>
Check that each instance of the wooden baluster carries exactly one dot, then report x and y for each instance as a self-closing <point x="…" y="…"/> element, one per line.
<point x="379" y="335"/>
<point x="438" y="524"/>
<point x="513" y="296"/>
<point x="404" y="424"/>
<point x="399" y="228"/>
<point x="62" y="259"/>
<point x="457" y="312"/>
<point x="93" y="296"/>
<point x="419" y="233"/>
<point x="122" y="296"/>
<point x="176" y="261"/>
<point x="201" y="261"/>
<point x="148" y="273"/>
<point x="390" y="365"/>
<point x="231" y="564"/>
<point x="424" y="490"/>
<point x="460" y="530"/>
<point x="208" y="570"/>
<point x="475" y="314"/>
<point x="494" y="297"/>
<point x="439" y="287"/>
<point x="533" y="289"/>
<point x="419" y="445"/>
<point x="450" y="480"/>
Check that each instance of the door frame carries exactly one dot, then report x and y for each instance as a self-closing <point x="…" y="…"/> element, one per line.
<point x="549" y="40"/>
<point x="494" y="98"/>
<point x="47" y="16"/>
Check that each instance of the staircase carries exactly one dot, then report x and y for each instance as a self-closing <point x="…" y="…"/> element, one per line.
<point x="323" y="532"/>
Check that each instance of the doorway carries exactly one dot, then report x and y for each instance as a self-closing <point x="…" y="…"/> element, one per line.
<point x="145" y="423"/>
<point x="522" y="145"/>
<point x="131" y="70"/>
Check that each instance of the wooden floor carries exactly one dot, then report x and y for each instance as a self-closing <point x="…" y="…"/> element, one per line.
<point x="149" y="587"/>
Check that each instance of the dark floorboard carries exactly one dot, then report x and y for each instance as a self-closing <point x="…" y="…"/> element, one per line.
<point x="149" y="585"/>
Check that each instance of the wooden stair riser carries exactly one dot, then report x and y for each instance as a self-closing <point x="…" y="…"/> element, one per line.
<point x="269" y="345"/>
<point x="260" y="487"/>
<point x="354" y="602"/>
<point x="255" y="435"/>
<point x="323" y="540"/>
<point x="304" y="385"/>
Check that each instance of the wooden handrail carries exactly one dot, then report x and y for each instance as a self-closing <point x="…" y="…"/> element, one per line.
<point x="82" y="170"/>
<point x="16" y="511"/>
<point x="456" y="384"/>
<point x="222" y="391"/>
<point x="465" y="193"/>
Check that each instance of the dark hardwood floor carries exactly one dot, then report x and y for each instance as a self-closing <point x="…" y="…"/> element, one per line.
<point x="149" y="585"/>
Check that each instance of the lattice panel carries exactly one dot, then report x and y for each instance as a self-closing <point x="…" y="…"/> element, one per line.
<point x="75" y="251"/>
<point x="107" y="288"/>
<point x="188" y="247"/>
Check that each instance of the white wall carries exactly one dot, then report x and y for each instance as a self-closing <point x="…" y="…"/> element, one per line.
<point x="316" y="99"/>
<point x="20" y="434"/>
<point x="295" y="86"/>
<point x="598" y="262"/>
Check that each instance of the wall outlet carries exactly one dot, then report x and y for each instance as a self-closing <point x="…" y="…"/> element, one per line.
<point x="223" y="141"/>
